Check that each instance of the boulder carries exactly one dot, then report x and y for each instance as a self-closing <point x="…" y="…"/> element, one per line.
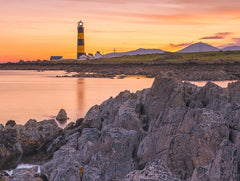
<point x="10" y="123"/>
<point x="62" y="116"/>
<point x="30" y="138"/>
<point x="35" y="136"/>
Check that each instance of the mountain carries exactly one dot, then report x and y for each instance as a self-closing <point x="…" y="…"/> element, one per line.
<point x="139" y="51"/>
<point x="231" y="48"/>
<point x="199" y="47"/>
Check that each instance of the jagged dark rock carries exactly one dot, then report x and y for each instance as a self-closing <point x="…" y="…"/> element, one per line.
<point x="28" y="139"/>
<point x="154" y="170"/>
<point x="172" y="131"/>
<point x="10" y="123"/>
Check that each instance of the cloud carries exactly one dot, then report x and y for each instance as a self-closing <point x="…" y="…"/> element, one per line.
<point x="224" y="33"/>
<point x="114" y="2"/>
<point x="211" y="37"/>
<point x="236" y="42"/>
<point x="122" y="31"/>
<point x="220" y="35"/>
<point x="180" y="44"/>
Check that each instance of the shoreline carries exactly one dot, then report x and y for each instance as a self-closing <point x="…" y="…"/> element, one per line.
<point x="190" y="71"/>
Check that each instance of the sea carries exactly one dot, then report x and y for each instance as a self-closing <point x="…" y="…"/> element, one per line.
<point x="26" y="94"/>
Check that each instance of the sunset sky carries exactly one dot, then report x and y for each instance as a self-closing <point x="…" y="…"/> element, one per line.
<point x="33" y="29"/>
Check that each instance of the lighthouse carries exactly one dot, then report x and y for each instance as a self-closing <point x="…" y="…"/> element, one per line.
<point x="80" y="42"/>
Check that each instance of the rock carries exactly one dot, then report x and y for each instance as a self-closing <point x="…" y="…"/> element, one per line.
<point x="30" y="123"/>
<point x="4" y="176"/>
<point x="1" y="127"/>
<point x="216" y="75"/>
<point x="30" y="138"/>
<point x="78" y="150"/>
<point x="211" y="96"/>
<point x="65" y="165"/>
<point x="167" y="93"/>
<point x="223" y="167"/>
<point x="190" y="139"/>
<point x="154" y="170"/>
<point x="30" y="174"/>
<point x="10" y="123"/>
<point x="172" y="131"/>
<point x="92" y="173"/>
<point x="79" y="122"/>
<point x="34" y="136"/>
<point x="9" y="143"/>
<point x="234" y="92"/>
<point x="39" y="176"/>
<point x="110" y="107"/>
<point x="127" y="117"/>
<point x="20" y="174"/>
<point x="115" y="159"/>
<point x="62" y="116"/>
<point x="93" y="118"/>
<point x="68" y="136"/>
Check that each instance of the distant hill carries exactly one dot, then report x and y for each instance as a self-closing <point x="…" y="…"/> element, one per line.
<point x="199" y="47"/>
<point x="231" y="48"/>
<point x="139" y="51"/>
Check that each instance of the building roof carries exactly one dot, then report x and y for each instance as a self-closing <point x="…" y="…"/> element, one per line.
<point x="55" y="57"/>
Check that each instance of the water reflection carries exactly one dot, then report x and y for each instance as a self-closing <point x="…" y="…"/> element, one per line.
<point x="80" y="93"/>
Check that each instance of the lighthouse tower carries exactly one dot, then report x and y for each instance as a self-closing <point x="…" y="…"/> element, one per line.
<point x="80" y="44"/>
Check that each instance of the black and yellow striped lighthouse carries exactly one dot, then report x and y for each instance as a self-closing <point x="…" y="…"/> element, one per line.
<point x="80" y="44"/>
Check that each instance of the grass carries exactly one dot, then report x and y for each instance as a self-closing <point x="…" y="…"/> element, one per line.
<point x="201" y="57"/>
<point x="221" y="56"/>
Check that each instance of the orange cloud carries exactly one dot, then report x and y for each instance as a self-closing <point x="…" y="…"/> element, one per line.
<point x="180" y="44"/>
<point x="38" y="29"/>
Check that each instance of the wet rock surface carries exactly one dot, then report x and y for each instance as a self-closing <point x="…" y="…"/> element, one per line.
<point x="16" y="140"/>
<point x="172" y="131"/>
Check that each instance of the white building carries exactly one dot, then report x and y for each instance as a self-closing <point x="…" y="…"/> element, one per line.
<point x="98" y="55"/>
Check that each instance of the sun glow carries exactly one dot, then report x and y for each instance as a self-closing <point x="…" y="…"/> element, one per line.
<point x="33" y="30"/>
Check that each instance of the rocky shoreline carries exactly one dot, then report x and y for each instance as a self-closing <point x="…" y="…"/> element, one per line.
<point x="171" y="131"/>
<point x="190" y="71"/>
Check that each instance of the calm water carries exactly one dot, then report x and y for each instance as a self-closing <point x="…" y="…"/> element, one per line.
<point x="40" y="95"/>
<point x="223" y="84"/>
